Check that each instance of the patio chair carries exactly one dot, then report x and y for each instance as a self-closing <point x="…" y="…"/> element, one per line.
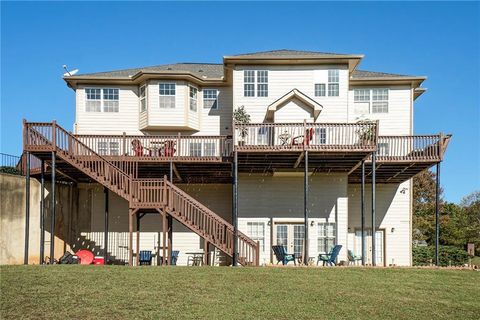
<point x="282" y="255"/>
<point x="145" y="258"/>
<point x="173" y="260"/>
<point x="138" y="149"/>
<point x="329" y="258"/>
<point x="353" y="258"/>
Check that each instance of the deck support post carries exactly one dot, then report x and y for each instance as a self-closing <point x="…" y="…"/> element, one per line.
<point x="105" y="239"/>
<point x="437" y="216"/>
<point x="362" y="195"/>
<point x="305" y="209"/>
<point x="52" y="218"/>
<point x="374" y="157"/>
<point x="235" y="208"/>
<point x="170" y="223"/>
<point x="206" y="252"/>
<point x="130" y="239"/>
<point x="164" y="234"/>
<point x="42" y="212"/>
<point x="137" y="257"/>
<point x="27" y="208"/>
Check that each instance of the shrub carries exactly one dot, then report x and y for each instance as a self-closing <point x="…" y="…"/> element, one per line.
<point x="449" y="256"/>
<point x="10" y="170"/>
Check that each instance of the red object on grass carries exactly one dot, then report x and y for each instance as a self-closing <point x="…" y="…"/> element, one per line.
<point x="99" y="260"/>
<point x="85" y="256"/>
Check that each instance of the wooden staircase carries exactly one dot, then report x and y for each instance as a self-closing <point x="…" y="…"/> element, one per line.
<point x="159" y="194"/>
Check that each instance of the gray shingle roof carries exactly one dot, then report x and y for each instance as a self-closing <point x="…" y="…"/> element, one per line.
<point x="287" y="53"/>
<point x="363" y="74"/>
<point x="201" y="70"/>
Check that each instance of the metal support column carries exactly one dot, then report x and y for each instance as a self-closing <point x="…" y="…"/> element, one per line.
<point x="105" y="246"/>
<point x="164" y="234"/>
<point x="170" y="224"/>
<point x="137" y="260"/>
<point x="52" y="218"/>
<point x="130" y="239"/>
<point x="235" y="208"/>
<point x="305" y="209"/>
<point x="437" y="216"/>
<point x="42" y="213"/>
<point x="362" y="192"/>
<point x="27" y="208"/>
<point x="374" y="158"/>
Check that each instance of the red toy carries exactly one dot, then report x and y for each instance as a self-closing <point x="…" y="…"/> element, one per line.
<point x="85" y="256"/>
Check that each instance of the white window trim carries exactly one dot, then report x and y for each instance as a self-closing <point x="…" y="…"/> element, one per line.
<point x="144" y="98"/>
<point x="102" y="105"/>
<point x="370" y="101"/>
<point x="203" y="100"/>
<point x="190" y="98"/>
<point x="324" y="90"/>
<point x="327" y="91"/>
<point x="255" y="83"/>
<point x="169" y="95"/>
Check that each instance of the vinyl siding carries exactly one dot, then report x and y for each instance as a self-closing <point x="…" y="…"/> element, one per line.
<point x="126" y="120"/>
<point x="398" y="119"/>
<point x="393" y="210"/>
<point x="283" y="79"/>
<point x="168" y="117"/>
<point x="217" y="121"/>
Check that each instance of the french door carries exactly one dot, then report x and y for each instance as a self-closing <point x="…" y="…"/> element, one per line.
<point x="291" y="236"/>
<point x="379" y="246"/>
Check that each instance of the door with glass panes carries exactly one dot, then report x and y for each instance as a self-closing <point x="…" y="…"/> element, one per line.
<point x="291" y="236"/>
<point x="379" y="246"/>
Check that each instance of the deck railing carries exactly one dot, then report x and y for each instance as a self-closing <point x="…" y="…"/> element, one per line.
<point x="411" y="148"/>
<point x="305" y="136"/>
<point x="157" y="146"/>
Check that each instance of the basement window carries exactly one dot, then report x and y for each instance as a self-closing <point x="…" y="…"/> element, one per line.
<point x="326" y="236"/>
<point x="256" y="231"/>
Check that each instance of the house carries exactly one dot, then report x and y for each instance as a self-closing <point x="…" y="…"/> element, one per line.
<point x="160" y="164"/>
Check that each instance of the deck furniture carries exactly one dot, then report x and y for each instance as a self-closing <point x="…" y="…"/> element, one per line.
<point x="138" y="149"/>
<point x="173" y="260"/>
<point x="284" y="138"/>
<point x="352" y="257"/>
<point x="169" y="148"/>
<point x="329" y="258"/>
<point x="145" y="258"/>
<point x="195" y="258"/>
<point x="282" y="255"/>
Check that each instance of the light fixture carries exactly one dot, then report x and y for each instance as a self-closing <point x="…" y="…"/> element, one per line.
<point x="312" y="223"/>
<point x="393" y="230"/>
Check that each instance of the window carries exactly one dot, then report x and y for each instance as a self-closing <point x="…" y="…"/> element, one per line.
<point x="320" y="136"/>
<point x="333" y="80"/>
<point x="361" y="95"/>
<point x="209" y="149"/>
<point x="379" y="100"/>
<point x="262" y="137"/>
<point x="167" y="95"/>
<point x="193" y="98"/>
<point x="110" y="100"/>
<point x="210" y="98"/>
<point x="98" y="100"/>
<point x="249" y="83"/>
<point x="195" y="149"/>
<point x="106" y="148"/>
<point x="326" y="237"/>
<point x="370" y="100"/>
<point x="320" y="90"/>
<point x="93" y="101"/>
<point x="383" y="149"/>
<point x="143" y="98"/>
<point x="262" y="83"/>
<point x="256" y="231"/>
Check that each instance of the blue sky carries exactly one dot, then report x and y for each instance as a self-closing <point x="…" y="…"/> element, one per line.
<point x="439" y="40"/>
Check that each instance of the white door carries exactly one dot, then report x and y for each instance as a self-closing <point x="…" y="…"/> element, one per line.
<point x="291" y="236"/>
<point x="379" y="246"/>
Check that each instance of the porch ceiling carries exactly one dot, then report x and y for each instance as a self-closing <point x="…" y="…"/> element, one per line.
<point x="389" y="172"/>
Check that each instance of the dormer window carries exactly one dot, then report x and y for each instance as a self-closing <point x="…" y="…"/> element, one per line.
<point x="167" y="95"/>
<point x="333" y="83"/>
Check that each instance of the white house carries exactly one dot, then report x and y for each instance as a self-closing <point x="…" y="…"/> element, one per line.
<point x="291" y="177"/>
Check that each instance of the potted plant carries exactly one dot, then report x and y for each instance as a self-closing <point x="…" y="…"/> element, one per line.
<point x="366" y="135"/>
<point x="241" y="118"/>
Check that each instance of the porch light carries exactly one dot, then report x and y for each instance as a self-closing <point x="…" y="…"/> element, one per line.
<point x="393" y="229"/>
<point x="312" y="223"/>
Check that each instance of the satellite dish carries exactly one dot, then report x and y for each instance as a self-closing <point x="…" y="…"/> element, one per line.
<point x="69" y="73"/>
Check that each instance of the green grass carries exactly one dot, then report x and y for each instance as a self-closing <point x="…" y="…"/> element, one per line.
<point x="114" y="292"/>
<point x="476" y="261"/>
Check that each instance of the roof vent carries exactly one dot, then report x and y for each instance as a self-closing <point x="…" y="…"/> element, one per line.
<point x="200" y="70"/>
<point x="169" y="68"/>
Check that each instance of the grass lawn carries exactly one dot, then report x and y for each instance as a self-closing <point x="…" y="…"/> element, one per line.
<point x="94" y="292"/>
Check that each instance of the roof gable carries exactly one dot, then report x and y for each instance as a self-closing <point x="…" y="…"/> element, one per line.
<point x="293" y="95"/>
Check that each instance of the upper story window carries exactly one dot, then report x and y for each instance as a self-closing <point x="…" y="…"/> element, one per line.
<point x="370" y="100"/>
<point x="333" y="83"/>
<point x="252" y="77"/>
<point x="143" y="98"/>
<point x="98" y="100"/>
<point x="210" y="98"/>
<point x="167" y="95"/>
<point x="379" y="100"/>
<point x="193" y="98"/>
<point x="262" y="83"/>
<point x="319" y="89"/>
